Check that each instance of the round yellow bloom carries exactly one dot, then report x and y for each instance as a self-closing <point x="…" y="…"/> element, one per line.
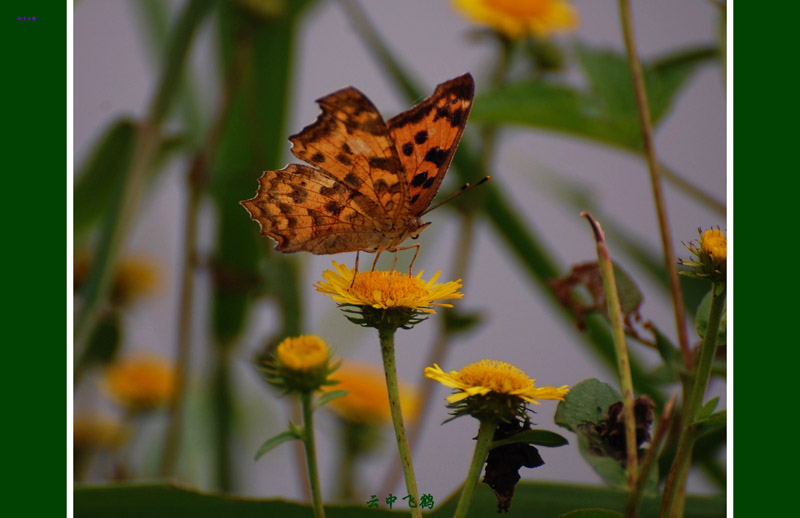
<point x="367" y="401"/>
<point x="134" y="277"/>
<point x="715" y="244"/>
<point x="385" y="290"/>
<point x="303" y="353"/>
<point x="141" y="383"/>
<point x="91" y="432"/>
<point x="517" y="18"/>
<point x="493" y="377"/>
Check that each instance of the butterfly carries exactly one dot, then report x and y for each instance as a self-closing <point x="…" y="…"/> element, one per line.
<point x="369" y="182"/>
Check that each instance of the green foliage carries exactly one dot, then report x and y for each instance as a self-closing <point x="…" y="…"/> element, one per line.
<point x="327" y="397"/>
<point x="584" y="407"/>
<point x="701" y="319"/>
<point x="294" y="433"/>
<point x="543" y="500"/>
<point x="607" y="111"/>
<point x="592" y="513"/>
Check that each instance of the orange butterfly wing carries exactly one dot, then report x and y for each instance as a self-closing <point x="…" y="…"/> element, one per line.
<point x="427" y="135"/>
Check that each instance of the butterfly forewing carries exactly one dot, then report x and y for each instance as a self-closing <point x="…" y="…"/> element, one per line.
<point x="350" y="141"/>
<point x="427" y="135"/>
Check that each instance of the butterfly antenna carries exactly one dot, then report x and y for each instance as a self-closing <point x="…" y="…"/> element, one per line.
<point x="464" y="188"/>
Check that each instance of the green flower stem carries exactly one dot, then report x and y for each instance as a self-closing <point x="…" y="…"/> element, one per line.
<point x="623" y="362"/>
<point x="485" y="436"/>
<point x="311" y="454"/>
<point x="673" y="495"/>
<point x="655" y="179"/>
<point x="386" y="336"/>
<point x="196" y="180"/>
<point x="128" y="195"/>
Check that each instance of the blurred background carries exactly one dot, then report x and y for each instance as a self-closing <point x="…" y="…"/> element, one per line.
<point x="546" y="176"/>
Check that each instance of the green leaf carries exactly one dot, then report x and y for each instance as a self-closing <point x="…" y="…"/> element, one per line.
<point x="538" y="437"/>
<point x="673" y="360"/>
<point x="288" y="435"/>
<point x="328" y="397"/>
<point x="701" y="319"/>
<point x="708" y="408"/>
<point x="542" y="500"/>
<point x="630" y="297"/>
<point x="715" y="420"/>
<point x="592" y="513"/>
<point x="98" y="180"/>
<point x="586" y="402"/>
<point x="608" y="113"/>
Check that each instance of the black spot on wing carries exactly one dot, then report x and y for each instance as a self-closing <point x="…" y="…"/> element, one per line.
<point x="352" y="180"/>
<point x="333" y="208"/>
<point x="429" y="182"/>
<point x="421" y="137"/>
<point x="436" y="156"/>
<point x="344" y="159"/>
<point x="414" y="199"/>
<point x="317" y="158"/>
<point x="387" y="164"/>
<point x="408" y="148"/>
<point x="419" y="179"/>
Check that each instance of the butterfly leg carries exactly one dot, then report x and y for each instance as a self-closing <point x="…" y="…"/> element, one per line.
<point x="416" y="253"/>
<point x="375" y="262"/>
<point x="355" y="269"/>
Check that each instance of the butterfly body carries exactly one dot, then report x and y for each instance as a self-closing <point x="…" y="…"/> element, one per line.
<point x="369" y="181"/>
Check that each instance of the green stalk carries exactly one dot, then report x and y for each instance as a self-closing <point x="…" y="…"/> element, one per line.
<point x="127" y="197"/>
<point x="386" y="336"/>
<point x="634" y="503"/>
<point x="196" y="180"/>
<point x="655" y="179"/>
<point x="673" y="495"/>
<point x="311" y="454"/>
<point x="621" y="349"/>
<point x="485" y="436"/>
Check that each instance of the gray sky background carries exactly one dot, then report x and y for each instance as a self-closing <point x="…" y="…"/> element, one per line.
<point x="113" y="76"/>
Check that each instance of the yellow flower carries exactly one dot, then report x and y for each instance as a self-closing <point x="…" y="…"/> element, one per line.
<point x="300" y="364"/>
<point x="496" y="377"/>
<point x="303" y="353"/>
<point x="93" y="432"/>
<point x="387" y="290"/>
<point x="141" y="383"/>
<point x="715" y="245"/>
<point x="367" y="400"/>
<point x="711" y="256"/>
<point x="517" y="18"/>
<point x="134" y="277"/>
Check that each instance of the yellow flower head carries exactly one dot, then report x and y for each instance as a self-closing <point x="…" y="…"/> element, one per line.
<point x="367" y="399"/>
<point x="715" y="244"/>
<point x="141" y="383"/>
<point x="134" y="277"/>
<point x="386" y="300"/>
<point x="491" y="388"/>
<point x="386" y="290"/>
<point x="711" y="256"/>
<point x="517" y="18"/>
<point x="300" y="364"/>
<point x="303" y="353"/>
<point x="93" y="432"/>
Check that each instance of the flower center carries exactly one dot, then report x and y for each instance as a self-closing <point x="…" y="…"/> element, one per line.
<point x="715" y="244"/>
<point x="388" y="287"/>
<point x="303" y="352"/>
<point x="519" y="7"/>
<point x="498" y="376"/>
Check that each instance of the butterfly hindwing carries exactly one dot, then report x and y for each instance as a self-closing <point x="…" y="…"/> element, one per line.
<point x="427" y="135"/>
<point x="306" y="209"/>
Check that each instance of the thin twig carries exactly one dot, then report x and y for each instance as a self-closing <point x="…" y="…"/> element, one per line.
<point x="196" y="179"/>
<point x="655" y="179"/>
